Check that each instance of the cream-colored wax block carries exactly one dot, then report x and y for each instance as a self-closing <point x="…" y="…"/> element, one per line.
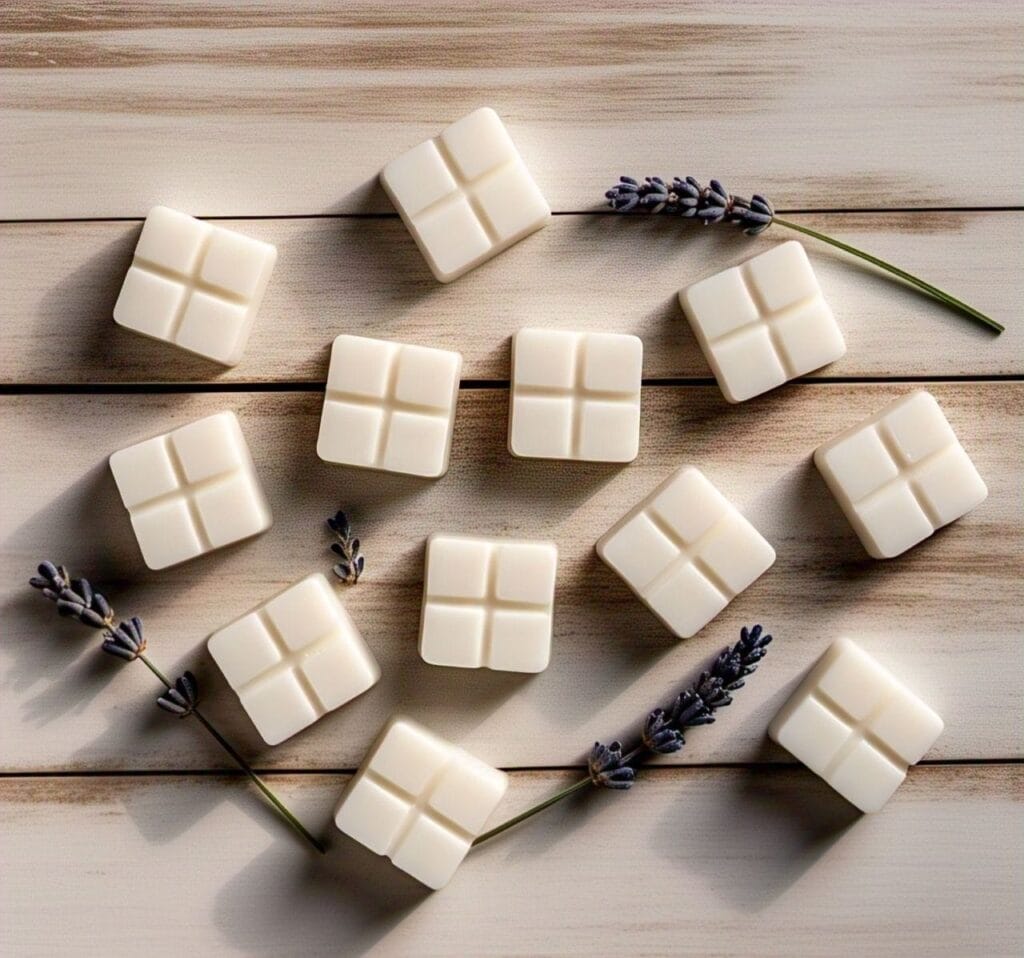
<point x="575" y="395"/>
<point x="195" y="285"/>
<point x="294" y="658"/>
<point x="389" y="406"/>
<point x="465" y="195"/>
<point x="686" y="551"/>
<point x="851" y="722"/>
<point x="900" y="475"/>
<point x="420" y="801"/>
<point x="763" y="322"/>
<point x="488" y="603"/>
<point x="191" y="490"/>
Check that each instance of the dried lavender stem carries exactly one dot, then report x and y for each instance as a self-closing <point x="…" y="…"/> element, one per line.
<point x="75" y="598"/>
<point x="688" y="199"/>
<point x="241" y="763"/>
<point x="530" y="812"/>
<point x="940" y="294"/>
<point x="548" y="802"/>
<point x="663" y="729"/>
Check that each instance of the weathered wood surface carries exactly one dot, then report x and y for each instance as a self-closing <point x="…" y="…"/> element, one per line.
<point x="292" y="107"/>
<point x="276" y="117"/>
<point x="732" y="862"/>
<point x="366" y="276"/>
<point x="946" y="616"/>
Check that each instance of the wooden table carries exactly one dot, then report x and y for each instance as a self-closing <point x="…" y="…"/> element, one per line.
<point x="895" y="126"/>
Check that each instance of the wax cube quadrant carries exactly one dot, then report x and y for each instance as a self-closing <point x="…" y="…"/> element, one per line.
<point x="420" y="801"/>
<point x="900" y="475"/>
<point x="465" y="195"/>
<point x="487" y="603"/>
<point x="191" y="490"/>
<point x="295" y="658"/>
<point x="852" y="723"/>
<point x="575" y="395"/>
<point x="763" y="322"/>
<point x="195" y="285"/>
<point x="686" y="551"/>
<point x="389" y="406"/>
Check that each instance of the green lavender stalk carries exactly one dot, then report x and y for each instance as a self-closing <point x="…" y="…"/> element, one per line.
<point x="713" y="204"/>
<point x="608" y="766"/>
<point x="76" y="599"/>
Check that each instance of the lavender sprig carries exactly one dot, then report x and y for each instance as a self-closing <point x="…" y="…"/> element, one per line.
<point x="76" y="598"/>
<point x="351" y="564"/>
<point x="714" y="204"/>
<point x="609" y="767"/>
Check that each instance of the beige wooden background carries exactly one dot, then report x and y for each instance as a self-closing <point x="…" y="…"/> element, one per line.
<point x="897" y="126"/>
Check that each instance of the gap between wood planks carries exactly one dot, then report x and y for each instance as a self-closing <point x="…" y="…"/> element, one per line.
<point x="596" y="211"/>
<point x="512" y="769"/>
<point x="115" y="389"/>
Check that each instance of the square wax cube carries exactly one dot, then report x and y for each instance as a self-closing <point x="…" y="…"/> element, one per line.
<point x="487" y="603"/>
<point x="465" y="195"/>
<point x="389" y="406"/>
<point x="851" y="722"/>
<point x="763" y="322"/>
<point x="295" y="658"/>
<point x="195" y="285"/>
<point x="900" y="475"/>
<point x="420" y="801"/>
<point x="575" y="395"/>
<point x="191" y="490"/>
<point x="686" y="551"/>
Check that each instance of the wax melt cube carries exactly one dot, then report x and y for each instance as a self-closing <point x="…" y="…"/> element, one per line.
<point x="420" y="801"/>
<point x="465" y="195"/>
<point x="389" y="406"/>
<point x="900" y="475"/>
<point x="294" y="658"/>
<point x="851" y="722"/>
<point x="686" y="551"/>
<point x="575" y="395"/>
<point x="195" y="285"/>
<point x="191" y="490"/>
<point x="763" y="322"/>
<point x="487" y="603"/>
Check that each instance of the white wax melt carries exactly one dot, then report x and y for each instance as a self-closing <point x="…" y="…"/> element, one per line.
<point x="900" y="475"/>
<point x="420" y="801"/>
<point x="487" y="603"/>
<point x="686" y="551"/>
<point x="465" y="195"/>
<point x="763" y="323"/>
<point x="195" y="285"/>
<point x="389" y="406"/>
<point x="855" y="725"/>
<point x="191" y="491"/>
<point x="294" y="659"/>
<point x="575" y="395"/>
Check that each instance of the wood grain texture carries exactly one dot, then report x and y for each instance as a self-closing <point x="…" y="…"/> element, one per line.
<point x="292" y="106"/>
<point x="727" y="862"/>
<point x="947" y="616"/>
<point x="609" y="273"/>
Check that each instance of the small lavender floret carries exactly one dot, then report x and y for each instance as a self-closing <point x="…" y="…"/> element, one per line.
<point x="351" y="564"/>
<point x="126" y="641"/>
<point x="607" y="768"/>
<point x="182" y="698"/>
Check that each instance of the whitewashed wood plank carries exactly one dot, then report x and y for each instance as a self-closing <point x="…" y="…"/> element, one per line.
<point x="587" y="272"/>
<point x="292" y="107"/>
<point x="727" y="862"/>
<point x="947" y="616"/>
